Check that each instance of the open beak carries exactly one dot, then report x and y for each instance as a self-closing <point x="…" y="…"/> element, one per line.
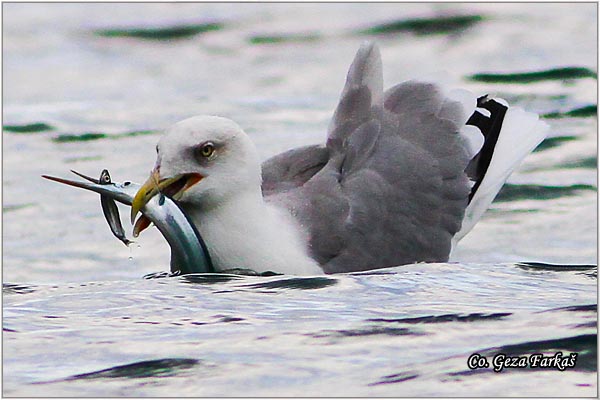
<point x="172" y="187"/>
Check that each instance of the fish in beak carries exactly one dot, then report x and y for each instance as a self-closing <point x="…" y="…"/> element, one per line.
<point x="189" y="253"/>
<point x="172" y="187"/>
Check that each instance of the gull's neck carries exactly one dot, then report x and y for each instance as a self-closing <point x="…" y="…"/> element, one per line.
<point x="246" y="232"/>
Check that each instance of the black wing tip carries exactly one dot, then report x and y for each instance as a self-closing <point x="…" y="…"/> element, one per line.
<point x="491" y="128"/>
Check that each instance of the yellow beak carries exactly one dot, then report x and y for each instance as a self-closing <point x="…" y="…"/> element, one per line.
<point x="155" y="185"/>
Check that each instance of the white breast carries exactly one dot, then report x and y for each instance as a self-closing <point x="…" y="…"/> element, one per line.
<point x="248" y="233"/>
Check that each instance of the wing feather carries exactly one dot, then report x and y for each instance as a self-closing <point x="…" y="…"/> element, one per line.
<point x="389" y="187"/>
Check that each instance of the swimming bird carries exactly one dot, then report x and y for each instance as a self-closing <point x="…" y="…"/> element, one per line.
<point x="403" y="175"/>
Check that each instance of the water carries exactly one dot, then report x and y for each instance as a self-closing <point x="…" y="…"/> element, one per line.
<point x="78" y="318"/>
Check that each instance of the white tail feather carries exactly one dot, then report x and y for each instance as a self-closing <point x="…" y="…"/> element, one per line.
<point x="472" y="137"/>
<point x="520" y="134"/>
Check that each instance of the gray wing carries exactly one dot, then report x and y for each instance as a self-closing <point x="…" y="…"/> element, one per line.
<point x="291" y="169"/>
<point x="389" y="187"/>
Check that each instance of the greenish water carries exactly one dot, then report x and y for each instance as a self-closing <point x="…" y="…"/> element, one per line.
<point x="565" y="73"/>
<point x="162" y="33"/>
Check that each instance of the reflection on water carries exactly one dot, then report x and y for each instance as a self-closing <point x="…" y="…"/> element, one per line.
<point x="144" y="369"/>
<point x="209" y="337"/>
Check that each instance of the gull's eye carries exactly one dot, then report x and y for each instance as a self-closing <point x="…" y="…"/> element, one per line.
<point x="206" y="150"/>
<point x="105" y="177"/>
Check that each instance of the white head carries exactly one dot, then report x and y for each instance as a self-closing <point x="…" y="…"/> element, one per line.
<point x="204" y="160"/>
<point x="211" y="167"/>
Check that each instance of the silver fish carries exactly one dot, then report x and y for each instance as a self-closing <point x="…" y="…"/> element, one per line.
<point x="109" y="207"/>
<point x="188" y="250"/>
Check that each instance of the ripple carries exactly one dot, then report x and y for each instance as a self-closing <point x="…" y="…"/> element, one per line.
<point x="283" y="38"/>
<point x="209" y="278"/>
<point x="426" y="26"/>
<point x="16" y="288"/>
<point x="370" y="331"/>
<point x="144" y="369"/>
<point x="577" y="308"/>
<point x="295" y="283"/>
<point x="590" y="110"/>
<point x="556" y="267"/>
<point x="435" y="319"/>
<point x="28" y="128"/>
<point x="553" y="74"/>
<point x="395" y="378"/>
<point x="552" y="142"/>
<point x="163" y="32"/>
<point x="84" y="137"/>
<point x="512" y="192"/>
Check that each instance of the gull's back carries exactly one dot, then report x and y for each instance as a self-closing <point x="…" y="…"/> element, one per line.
<point x="389" y="187"/>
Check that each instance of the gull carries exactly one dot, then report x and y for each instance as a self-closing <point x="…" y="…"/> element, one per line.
<point x="403" y="175"/>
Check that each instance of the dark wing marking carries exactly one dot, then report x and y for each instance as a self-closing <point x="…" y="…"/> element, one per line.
<point x="490" y="128"/>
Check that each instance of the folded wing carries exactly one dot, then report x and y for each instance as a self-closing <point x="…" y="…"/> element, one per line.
<point x="389" y="187"/>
